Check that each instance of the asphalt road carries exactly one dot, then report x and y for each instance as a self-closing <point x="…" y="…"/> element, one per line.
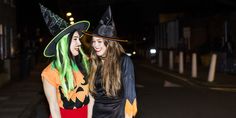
<point x="158" y="98"/>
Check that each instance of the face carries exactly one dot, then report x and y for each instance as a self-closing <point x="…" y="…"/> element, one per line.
<point x="75" y="44"/>
<point x="99" y="46"/>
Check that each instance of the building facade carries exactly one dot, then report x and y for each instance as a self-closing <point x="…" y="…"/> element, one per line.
<point x="8" y="41"/>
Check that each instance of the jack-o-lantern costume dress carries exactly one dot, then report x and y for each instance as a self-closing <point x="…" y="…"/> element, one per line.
<point x="76" y="104"/>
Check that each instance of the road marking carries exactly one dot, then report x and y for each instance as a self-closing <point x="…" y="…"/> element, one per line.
<point x="170" y="84"/>
<point x="186" y="80"/>
<point x="223" y="89"/>
<point x="139" y="85"/>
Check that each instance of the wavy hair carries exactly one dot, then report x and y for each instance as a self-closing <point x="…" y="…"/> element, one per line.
<point x="110" y="70"/>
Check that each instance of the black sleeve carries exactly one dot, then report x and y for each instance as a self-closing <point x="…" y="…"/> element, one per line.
<point x="128" y="79"/>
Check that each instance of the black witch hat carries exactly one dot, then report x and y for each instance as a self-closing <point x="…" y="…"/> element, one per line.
<point x="58" y="27"/>
<point x="106" y="28"/>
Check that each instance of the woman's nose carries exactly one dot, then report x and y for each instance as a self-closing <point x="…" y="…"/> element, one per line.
<point x="78" y="42"/>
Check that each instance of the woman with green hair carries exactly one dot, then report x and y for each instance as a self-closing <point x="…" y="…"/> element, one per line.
<point x="65" y="78"/>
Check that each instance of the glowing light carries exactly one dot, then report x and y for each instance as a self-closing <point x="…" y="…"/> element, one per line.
<point x="153" y="51"/>
<point x="68" y="14"/>
<point x="72" y="22"/>
<point x="129" y="54"/>
<point x="40" y="40"/>
<point x="71" y="19"/>
<point x="144" y="38"/>
<point x="134" y="52"/>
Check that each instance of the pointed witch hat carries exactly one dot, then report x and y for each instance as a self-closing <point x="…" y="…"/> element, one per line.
<point x="106" y="28"/>
<point x="58" y="27"/>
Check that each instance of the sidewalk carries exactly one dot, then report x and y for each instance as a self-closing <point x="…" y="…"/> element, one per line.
<point x="18" y="99"/>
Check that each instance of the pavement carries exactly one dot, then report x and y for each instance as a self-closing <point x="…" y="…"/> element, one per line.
<point x="19" y="99"/>
<point x="22" y="99"/>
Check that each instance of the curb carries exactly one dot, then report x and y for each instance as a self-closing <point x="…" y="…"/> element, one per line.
<point x="191" y="82"/>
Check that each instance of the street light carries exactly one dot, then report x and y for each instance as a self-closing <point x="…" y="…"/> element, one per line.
<point x="72" y="22"/>
<point x="153" y="51"/>
<point x="68" y="14"/>
<point x="71" y="19"/>
<point x="134" y="52"/>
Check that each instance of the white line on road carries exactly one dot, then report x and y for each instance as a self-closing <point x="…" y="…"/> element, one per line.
<point x="186" y="80"/>
<point x="139" y="85"/>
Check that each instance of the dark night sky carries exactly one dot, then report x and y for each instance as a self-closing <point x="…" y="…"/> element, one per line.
<point x="130" y="16"/>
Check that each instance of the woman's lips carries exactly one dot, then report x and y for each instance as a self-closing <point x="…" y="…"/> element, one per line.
<point x="97" y="50"/>
<point x="77" y="48"/>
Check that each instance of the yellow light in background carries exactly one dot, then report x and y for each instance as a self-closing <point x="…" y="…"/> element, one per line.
<point x="68" y="14"/>
<point x="40" y="40"/>
<point x="71" y="19"/>
<point x="134" y="52"/>
<point x="72" y="22"/>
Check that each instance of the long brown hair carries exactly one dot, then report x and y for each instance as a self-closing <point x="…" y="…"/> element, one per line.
<point x="110" y="68"/>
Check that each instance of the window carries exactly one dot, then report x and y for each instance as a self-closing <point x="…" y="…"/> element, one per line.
<point x="1" y="42"/>
<point x="5" y="38"/>
<point x="12" y="47"/>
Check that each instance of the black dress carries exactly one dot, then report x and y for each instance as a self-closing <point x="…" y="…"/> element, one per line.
<point x="125" y="102"/>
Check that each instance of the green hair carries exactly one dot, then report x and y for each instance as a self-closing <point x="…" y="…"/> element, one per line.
<point x="65" y="64"/>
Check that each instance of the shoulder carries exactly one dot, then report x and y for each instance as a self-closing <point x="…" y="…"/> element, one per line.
<point x="126" y="62"/>
<point x="125" y="59"/>
<point x="47" y="68"/>
<point x="49" y="71"/>
<point x="51" y="75"/>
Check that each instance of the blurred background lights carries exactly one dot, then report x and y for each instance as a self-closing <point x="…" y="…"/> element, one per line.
<point x="72" y="22"/>
<point x="153" y="51"/>
<point x="129" y="54"/>
<point x="71" y="19"/>
<point x="68" y="14"/>
<point x="134" y="52"/>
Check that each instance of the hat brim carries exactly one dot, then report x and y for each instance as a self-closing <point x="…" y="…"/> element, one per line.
<point x="108" y="38"/>
<point x="50" y="49"/>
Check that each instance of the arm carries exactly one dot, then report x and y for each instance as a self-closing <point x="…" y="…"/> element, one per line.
<point x="90" y="106"/>
<point x="129" y="88"/>
<point x="50" y="92"/>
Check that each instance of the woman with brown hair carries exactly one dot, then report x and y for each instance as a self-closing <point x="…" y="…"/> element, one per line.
<point x="111" y="78"/>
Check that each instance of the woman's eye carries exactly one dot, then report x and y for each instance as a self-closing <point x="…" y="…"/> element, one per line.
<point x="76" y="38"/>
